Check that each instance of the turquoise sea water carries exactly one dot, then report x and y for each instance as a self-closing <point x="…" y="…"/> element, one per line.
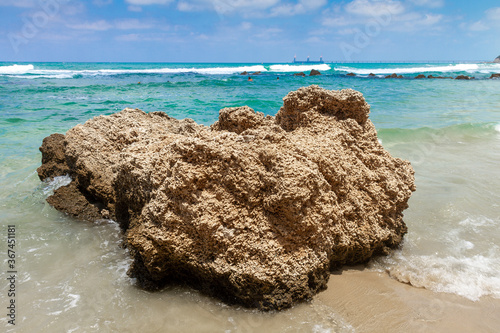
<point x="72" y="275"/>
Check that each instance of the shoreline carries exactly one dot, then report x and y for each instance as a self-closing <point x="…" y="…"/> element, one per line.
<point x="372" y="301"/>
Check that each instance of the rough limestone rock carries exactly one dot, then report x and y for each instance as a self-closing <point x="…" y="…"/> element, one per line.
<point x="350" y="74"/>
<point x="53" y="157"/>
<point x="254" y="210"/>
<point x="495" y="75"/>
<point x="392" y="76"/>
<point x="420" y="76"/>
<point x="314" y="72"/>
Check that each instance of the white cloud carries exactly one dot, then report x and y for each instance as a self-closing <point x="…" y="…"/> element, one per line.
<point x="491" y="20"/>
<point x="301" y="7"/>
<point x="136" y="9"/>
<point x="148" y="37"/>
<point x="371" y="14"/>
<point x="101" y="25"/>
<point x="19" y="3"/>
<point x="187" y="7"/>
<point x="225" y="6"/>
<point x="73" y="8"/>
<point x="493" y="14"/>
<point x="102" y="3"/>
<point x="429" y="3"/>
<point x="123" y="24"/>
<point x="313" y="40"/>
<point x="478" y="26"/>
<point x="130" y="24"/>
<point x="246" y="25"/>
<point x="148" y="2"/>
<point x="415" y="21"/>
<point x="129" y="38"/>
<point x="337" y="21"/>
<point x="374" y="8"/>
<point x="269" y="33"/>
<point x="347" y="31"/>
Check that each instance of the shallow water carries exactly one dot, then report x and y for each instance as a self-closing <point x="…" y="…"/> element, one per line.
<point x="72" y="275"/>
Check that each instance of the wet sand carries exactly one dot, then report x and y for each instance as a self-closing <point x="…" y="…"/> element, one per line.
<point x="373" y="302"/>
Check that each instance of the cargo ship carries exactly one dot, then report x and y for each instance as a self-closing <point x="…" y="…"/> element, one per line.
<point x="308" y="61"/>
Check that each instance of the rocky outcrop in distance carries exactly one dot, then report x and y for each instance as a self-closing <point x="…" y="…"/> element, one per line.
<point x="314" y="72"/>
<point x="497" y="60"/>
<point x="255" y="210"/>
<point x="464" y="77"/>
<point x="394" y="76"/>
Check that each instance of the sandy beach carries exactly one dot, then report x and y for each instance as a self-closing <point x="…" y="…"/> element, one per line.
<point x="374" y="302"/>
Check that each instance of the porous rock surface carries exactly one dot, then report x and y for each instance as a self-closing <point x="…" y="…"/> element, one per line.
<point x="254" y="210"/>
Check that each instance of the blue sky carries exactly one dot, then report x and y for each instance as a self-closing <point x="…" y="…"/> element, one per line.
<point x="248" y="31"/>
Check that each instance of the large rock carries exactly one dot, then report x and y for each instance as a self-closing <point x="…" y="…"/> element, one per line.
<point x="255" y="210"/>
<point x="497" y="60"/>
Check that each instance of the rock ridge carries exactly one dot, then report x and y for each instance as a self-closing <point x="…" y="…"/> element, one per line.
<point x="256" y="210"/>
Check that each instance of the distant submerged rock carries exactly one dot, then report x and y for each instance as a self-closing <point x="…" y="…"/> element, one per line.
<point x="256" y="210"/>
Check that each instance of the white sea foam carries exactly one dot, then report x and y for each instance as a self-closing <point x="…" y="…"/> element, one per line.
<point x="466" y="263"/>
<point x="497" y="128"/>
<point x="320" y="329"/>
<point x="72" y="300"/>
<point x="16" y="69"/>
<point x="56" y="183"/>
<point x="477" y="222"/>
<point x="299" y="68"/>
<point x="470" y="277"/>
<point x="470" y="68"/>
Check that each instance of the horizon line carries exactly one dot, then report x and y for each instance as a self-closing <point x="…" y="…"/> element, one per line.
<point x="236" y="62"/>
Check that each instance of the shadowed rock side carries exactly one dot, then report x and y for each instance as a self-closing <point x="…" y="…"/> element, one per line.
<point x="254" y="210"/>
